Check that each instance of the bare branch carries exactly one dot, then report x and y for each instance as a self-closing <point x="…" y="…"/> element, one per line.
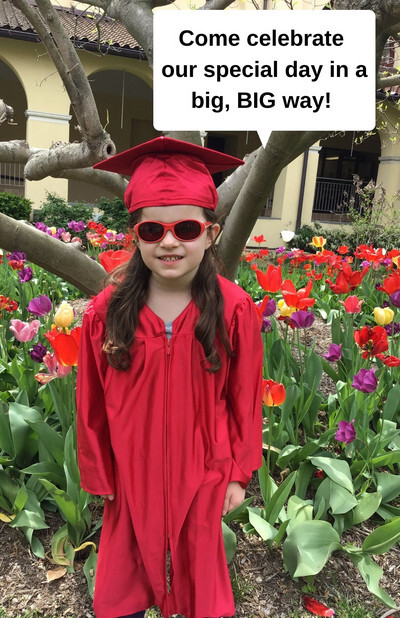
<point x="109" y="181"/>
<point x="64" y="260"/>
<point x="215" y="5"/>
<point x="386" y="82"/>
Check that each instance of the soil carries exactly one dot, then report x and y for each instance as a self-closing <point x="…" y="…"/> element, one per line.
<point x="262" y="587"/>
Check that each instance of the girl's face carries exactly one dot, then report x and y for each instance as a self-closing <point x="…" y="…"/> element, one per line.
<point x="171" y="259"/>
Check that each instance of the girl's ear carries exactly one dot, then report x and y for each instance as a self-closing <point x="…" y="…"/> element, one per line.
<point x="212" y="233"/>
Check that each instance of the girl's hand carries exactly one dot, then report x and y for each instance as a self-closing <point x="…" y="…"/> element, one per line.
<point x="110" y="497"/>
<point x="234" y="497"/>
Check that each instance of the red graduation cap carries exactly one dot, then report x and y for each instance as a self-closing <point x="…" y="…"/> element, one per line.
<point x="166" y="172"/>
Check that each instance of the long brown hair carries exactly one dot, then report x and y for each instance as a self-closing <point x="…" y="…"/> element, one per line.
<point x="130" y="294"/>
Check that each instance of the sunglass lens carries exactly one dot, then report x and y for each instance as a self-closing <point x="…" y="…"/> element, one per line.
<point x="188" y="230"/>
<point x="149" y="231"/>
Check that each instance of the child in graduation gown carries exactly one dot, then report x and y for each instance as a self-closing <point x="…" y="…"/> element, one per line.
<point x="169" y="394"/>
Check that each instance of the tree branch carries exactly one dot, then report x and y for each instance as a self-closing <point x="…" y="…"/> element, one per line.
<point x="386" y="82"/>
<point x="64" y="260"/>
<point x="215" y="5"/>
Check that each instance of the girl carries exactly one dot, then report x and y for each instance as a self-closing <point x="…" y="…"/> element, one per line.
<point x="169" y="394"/>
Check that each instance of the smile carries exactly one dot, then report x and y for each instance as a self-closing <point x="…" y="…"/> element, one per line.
<point x="171" y="258"/>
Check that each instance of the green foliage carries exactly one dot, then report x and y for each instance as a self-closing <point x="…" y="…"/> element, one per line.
<point x="114" y="214"/>
<point x="15" y="206"/>
<point x="334" y="238"/>
<point x="56" y="212"/>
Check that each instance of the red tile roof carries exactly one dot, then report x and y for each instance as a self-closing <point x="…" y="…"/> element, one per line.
<point x="79" y="25"/>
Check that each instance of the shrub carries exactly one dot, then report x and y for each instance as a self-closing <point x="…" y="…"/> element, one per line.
<point x="115" y="216"/>
<point x="56" y="212"/>
<point x="15" y="206"/>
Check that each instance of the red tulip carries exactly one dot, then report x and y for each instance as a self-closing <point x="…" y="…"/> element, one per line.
<point x="389" y="361"/>
<point x="65" y="345"/>
<point x="372" y="341"/>
<point x="273" y="393"/>
<point x="111" y="259"/>
<point x="259" y="239"/>
<point x="352" y="304"/>
<point x="271" y="280"/>
<point x="298" y="299"/>
<point x="317" y="608"/>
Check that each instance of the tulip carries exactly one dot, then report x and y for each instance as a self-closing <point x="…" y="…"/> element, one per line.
<point x="287" y="235"/>
<point x="271" y="280"/>
<point x="365" y="381"/>
<point x="383" y="315"/>
<point x="352" y="304"/>
<point x="346" y="432"/>
<point x="24" y="331"/>
<point x="273" y="393"/>
<point x="25" y="274"/>
<point x="55" y="370"/>
<point x="372" y="341"/>
<point x="302" y="319"/>
<point x="334" y="353"/>
<point x="395" y="298"/>
<point x="318" y="241"/>
<point x="40" y="306"/>
<point x="65" y="345"/>
<point x="112" y="259"/>
<point x="64" y="315"/>
<point x="284" y="310"/>
<point x="259" y="239"/>
<point x="389" y="361"/>
<point x="38" y="352"/>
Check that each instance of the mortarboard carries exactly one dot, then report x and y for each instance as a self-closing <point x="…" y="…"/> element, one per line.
<point x="166" y="171"/>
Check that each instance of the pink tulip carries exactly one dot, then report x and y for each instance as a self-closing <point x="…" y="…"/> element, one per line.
<point x="24" y="331"/>
<point x="55" y="370"/>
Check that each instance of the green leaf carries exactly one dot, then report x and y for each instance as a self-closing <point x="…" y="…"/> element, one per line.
<point x="240" y="512"/>
<point x="340" y="500"/>
<point x="71" y="466"/>
<point x="337" y="470"/>
<point x="229" y="541"/>
<point x="308" y="547"/>
<point x="89" y="569"/>
<point x="53" y="441"/>
<point x="392" y="403"/>
<point x="371" y="574"/>
<point x="278" y="499"/>
<point x="378" y="462"/>
<point x="368" y="504"/>
<point x="6" y="442"/>
<point x="388" y="485"/>
<point x="262" y="527"/>
<point x="24" y="440"/>
<point x="383" y="538"/>
<point x="28" y="519"/>
<point x="69" y="509"/>
<point x="58" y="541"/>
<point x="49" y="470"/>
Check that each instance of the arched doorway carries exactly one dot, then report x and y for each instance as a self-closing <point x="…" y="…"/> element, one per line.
<point x="125" y="106"/>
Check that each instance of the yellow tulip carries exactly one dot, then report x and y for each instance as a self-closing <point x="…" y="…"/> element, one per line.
<point x="383" y="315"/>
<point x="64" y="315"/>
<point x="318" y="241"/>
<point x="53" y="230"/>
<point x="285" y="311"/>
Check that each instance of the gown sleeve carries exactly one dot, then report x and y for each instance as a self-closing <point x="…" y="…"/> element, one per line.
<point x="244" y="393"/>
<point x="95" y="457"/>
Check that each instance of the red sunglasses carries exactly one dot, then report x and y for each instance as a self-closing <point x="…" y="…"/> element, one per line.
<point x="185" y="230"/>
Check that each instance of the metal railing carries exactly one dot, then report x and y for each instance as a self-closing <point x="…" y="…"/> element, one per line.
<point x="332" y="196"/>
<point x="12" y="175"/>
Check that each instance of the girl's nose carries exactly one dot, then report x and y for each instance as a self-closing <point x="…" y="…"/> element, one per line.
<point x="169" y="240"/>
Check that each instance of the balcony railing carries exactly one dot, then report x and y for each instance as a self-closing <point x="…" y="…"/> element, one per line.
<point x="332" y="196"/>
<point x="12" y="175"/>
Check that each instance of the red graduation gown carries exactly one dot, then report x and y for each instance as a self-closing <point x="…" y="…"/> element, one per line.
<point x="166" y="437"/>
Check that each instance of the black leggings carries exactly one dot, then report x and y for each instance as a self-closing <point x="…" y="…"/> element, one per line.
<point x="137" y="615"/>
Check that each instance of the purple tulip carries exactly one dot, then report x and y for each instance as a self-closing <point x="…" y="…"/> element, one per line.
<point x="395" y="298"/>
<point x="38" y="352"/>
<point x="365" y="381"/>
<point x="77" y="226"/>
<point x="302" y="319"/>
<point x="266" y="326"/>
<point x="25" y="274"/>
<point x="269" y="308"/>
<point x="280" y="250"/>
<point x="17" y="256"/>
<point x="334" y="353"/>
<point x="394" y="328"/>
<point x="41" y="226"/>
<point x="346" y="432"/>
<point x="40" y="306"/>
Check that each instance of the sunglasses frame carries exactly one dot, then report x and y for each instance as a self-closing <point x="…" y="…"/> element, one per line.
<point x="204" y="225"/>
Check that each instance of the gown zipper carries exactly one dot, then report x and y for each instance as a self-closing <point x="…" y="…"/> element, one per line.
<point x="166" y="468"/>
